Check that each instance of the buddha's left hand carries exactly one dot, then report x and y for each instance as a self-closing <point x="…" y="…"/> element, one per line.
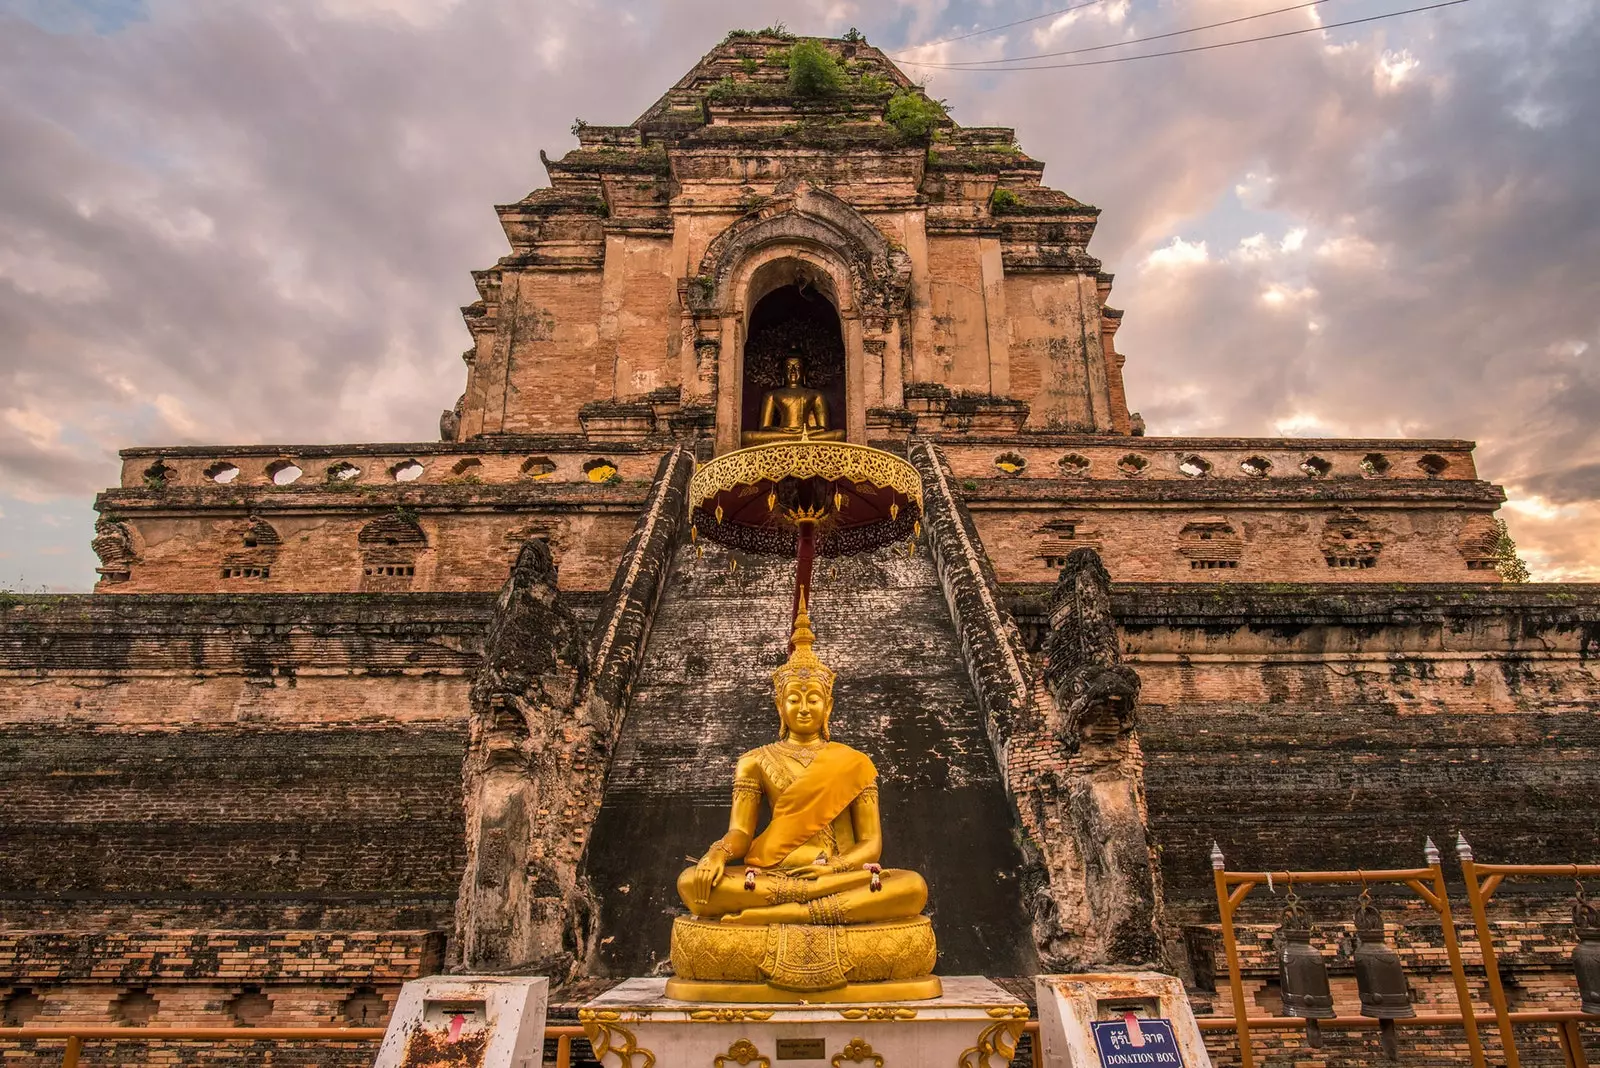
<point x="808" y="871"/>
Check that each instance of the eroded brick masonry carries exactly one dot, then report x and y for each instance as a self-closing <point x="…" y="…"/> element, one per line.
<point x="321" y="690"/>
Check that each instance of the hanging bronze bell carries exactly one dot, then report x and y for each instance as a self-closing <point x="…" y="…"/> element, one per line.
<point x="1302" y="973"/>
<point x="1586" y="954"/>
<point x="1385" y="993"/>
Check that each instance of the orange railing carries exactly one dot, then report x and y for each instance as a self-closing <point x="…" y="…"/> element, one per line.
<point x="75" y="1037"/>
<point x="1427" y="883"/>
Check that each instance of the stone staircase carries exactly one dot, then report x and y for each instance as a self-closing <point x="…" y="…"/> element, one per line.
<point x="703" y="696"/>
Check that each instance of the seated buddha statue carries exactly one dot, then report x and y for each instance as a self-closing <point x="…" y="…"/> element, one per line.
<point x="803" y="907"/>
<point x="791" y="408"/>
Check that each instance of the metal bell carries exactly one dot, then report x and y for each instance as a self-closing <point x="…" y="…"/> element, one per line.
<point x="1385" y="993"/>
<point x="1586" y="954"/>
<point x="1302" y="973"/>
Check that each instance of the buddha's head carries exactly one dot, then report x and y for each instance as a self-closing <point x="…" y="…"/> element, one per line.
<point x="803" y="687"/>
<point x="793" y="371"/>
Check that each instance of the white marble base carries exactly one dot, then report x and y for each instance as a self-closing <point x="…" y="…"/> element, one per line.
<point x="1069" y="1006"/>
<point x="974" y="1023"/>
<point x="497" y="1022"/>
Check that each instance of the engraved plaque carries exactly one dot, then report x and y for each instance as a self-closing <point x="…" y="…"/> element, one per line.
<point x="801" y="1049"/>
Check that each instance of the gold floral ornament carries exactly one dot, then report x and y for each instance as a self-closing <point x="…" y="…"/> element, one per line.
<point x="858" y="1051"/>
<point x="604" y="1030"/>
<point x="998" y="1040"/>
<point x="879" y="1012"/>
<point x="730" y="1015"/>
<point x="743" y="1051"/>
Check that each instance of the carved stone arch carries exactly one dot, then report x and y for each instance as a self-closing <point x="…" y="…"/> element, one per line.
<point x="809" y="237"/>
<point x="879" y="272"/>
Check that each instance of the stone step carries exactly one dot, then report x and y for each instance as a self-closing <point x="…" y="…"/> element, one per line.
<point x="703" y="696"/>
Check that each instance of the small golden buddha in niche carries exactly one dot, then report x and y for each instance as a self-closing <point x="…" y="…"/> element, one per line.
<point x="791" y="408"/>
<point x="804" y="906"/>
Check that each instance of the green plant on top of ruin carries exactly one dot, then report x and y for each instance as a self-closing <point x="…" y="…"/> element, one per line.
<point x="1506" y="561"/>
<point x="915" y="114"/>
<point x="873" y="83"/>
<point x="855" y="36"/>
<point x="813" y="71"/>
<point x="1003" y="200"/>
<point x="777" y="29"/>
<point x="578" y="125"/>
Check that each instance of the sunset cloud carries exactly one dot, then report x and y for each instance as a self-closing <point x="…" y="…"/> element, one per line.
<point x="233" y="221"/>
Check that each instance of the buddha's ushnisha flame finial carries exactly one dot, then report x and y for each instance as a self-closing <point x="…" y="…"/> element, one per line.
<point x="803" y="663"/>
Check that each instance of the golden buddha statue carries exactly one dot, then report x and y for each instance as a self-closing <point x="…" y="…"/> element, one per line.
<point x="790" y="409"/>
<point x="808" y="912"/>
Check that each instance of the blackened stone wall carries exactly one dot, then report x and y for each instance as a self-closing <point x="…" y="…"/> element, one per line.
<point x="703" y="696"/>
<point x="1314" y="726"/>
<point x="204" y="794"/>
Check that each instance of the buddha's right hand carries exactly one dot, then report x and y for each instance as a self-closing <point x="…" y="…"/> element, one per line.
<point x="708" y="871"/>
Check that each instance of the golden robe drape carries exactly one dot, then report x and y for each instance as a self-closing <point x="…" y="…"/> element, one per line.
<point x="835" y="778"/>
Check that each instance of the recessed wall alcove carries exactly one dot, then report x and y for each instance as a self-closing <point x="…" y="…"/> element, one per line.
<point x="795" y="319"/>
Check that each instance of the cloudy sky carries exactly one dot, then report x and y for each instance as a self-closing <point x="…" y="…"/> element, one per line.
<point x="253" y="221"/>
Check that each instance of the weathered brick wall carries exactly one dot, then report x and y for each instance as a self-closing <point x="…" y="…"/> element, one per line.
<point x="1329" y="727"/>
<point x="960" y="354"/>
<point x="184" y="539"/>
<point x="1164" y="533"/>
<point x="548" y="360"/>
<point x="1374" y="718"/>
<point x="1057" y="357"/>
<point x="200" y="795"/>
<point x="1319" y="726"/>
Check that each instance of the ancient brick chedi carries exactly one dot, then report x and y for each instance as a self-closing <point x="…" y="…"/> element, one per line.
<point x="338" y="715"/>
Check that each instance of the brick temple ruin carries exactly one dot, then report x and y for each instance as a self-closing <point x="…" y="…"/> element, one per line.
<point x="338" y="716"/>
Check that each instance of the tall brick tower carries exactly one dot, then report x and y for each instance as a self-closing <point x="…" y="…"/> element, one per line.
<point x="231" y="781"/>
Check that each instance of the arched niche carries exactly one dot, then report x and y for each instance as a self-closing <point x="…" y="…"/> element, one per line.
<point x="793" y="312"/>
<point x="815" y="239"/>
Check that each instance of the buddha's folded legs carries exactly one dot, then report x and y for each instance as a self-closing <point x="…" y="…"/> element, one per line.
<point x="768" y="437"/>
<point x="834" y="898"/>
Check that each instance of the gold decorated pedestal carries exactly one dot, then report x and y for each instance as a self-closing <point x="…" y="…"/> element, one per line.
<point x="972" y="1024"/>
<point x="716" y="961"/>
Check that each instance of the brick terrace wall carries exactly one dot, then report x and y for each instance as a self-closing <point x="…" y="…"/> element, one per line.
<point x="200" y="794"/>
<point x="1328" y="727"/>
<point x="183" y="536"/>
<point x="1307" y="726"/>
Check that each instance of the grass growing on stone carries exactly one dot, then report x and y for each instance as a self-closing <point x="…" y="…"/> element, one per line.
<point x="813" y="71"/>
<point x="914" y="114"/>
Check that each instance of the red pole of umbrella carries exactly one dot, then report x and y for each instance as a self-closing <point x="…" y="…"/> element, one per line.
<point x="805" y="554"/>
